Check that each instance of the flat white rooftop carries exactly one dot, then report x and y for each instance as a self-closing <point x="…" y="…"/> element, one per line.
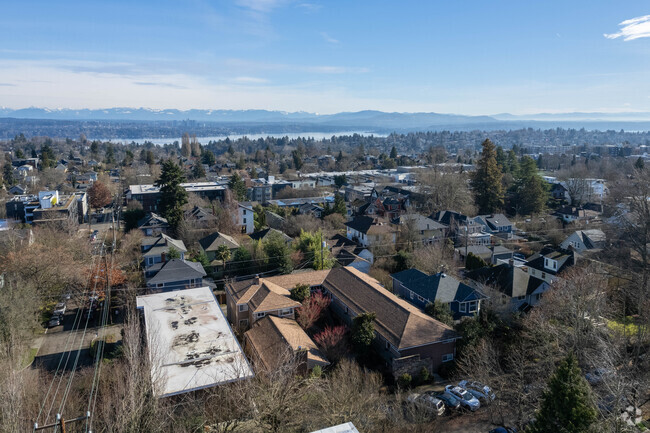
<point x="348" y="427"/>
<point x="191" y="344"/>
<point x="191" y="187"/>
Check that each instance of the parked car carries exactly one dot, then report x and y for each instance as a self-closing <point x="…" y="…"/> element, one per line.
<point x="59" y="309"/>
<point x="598" y="375"/>
<point x="55" y="320"/>
<point x="428" y="403"/>
<point x="466" y="399"/>
<point x="503" y="430"/>
<point x="449" y="400"/>
<point x="483" y="392"/>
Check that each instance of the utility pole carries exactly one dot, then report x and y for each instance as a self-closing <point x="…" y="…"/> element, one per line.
<point x="466" y="236"/>
<point x="321" y="249"/>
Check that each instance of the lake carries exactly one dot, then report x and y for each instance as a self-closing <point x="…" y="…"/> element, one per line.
<point x="205" y="140"/>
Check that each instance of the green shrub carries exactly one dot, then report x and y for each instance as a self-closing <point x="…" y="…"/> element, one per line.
<point x="404" y="381"/>
<point x="316" y="372"/>
<point x="424" y="376"/>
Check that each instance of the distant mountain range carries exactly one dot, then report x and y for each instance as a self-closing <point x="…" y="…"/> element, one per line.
<point x="368" y="120"/>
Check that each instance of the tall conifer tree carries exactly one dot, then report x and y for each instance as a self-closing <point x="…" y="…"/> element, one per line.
<point x="486" y="183"/>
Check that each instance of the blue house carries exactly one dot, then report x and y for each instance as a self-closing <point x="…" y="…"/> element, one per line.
<point x="421" y="289"/>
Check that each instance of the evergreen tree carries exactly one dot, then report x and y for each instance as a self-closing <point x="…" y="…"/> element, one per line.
<point x="20" y="154"/>
<point x="502" y="160"/>
<point x="150" y="158"/>
<point x="297" y="160"/>
<point x="238" y="186"/>
<point x="393" y="153"/>
<point x="363" y="331"/>
<point x="472" y="261"/>
<point x="198" y="171"/>
<point x="639" y="164"/>
<point x="439" y="311"/>
<point x="513" y="164"/>
<point x="566" y="406"/>
<point x="109" y="157"/>
<point x="94" y="148"/>
<point x="486" y="183"/>
<point x="278" y="253"/>
<point x="531" y="192"/>
<point x="34" y="154"/>
<point x="208" y="158"/>
<point x="48" y="159"/>
<point x="339" y="205"/>
<point x="172" y="195"/>
<point x="8" y="173"/>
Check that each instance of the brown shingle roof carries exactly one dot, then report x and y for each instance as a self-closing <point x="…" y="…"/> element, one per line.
<point x="263" y="295"/>
<point x="272" y="338"/>
<point x="399" y="322"/>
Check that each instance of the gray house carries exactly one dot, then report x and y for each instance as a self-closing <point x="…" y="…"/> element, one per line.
<point x="583" y="240"/>
<point x="156" y="249"/>
<point x="421" y="289"/>
<point x="175" y="274"/>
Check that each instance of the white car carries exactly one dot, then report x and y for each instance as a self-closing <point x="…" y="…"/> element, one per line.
<point x="466" y="399"/>
<point x="479" y="390"/>
<point x="59" y="309"/>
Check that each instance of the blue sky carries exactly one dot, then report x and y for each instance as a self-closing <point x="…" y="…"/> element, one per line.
<point x="467" y="57"/>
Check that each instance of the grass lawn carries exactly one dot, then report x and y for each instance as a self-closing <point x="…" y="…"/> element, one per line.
<point x="29" y="357"/>
<point x="627" y="326"/>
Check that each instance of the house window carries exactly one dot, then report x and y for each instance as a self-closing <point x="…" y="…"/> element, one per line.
<point x="521" y="298"/>
<point x="412" y="295"/>
<point x="259" y="315"/>
<point x="420" y="298"/>
<point x="448" y="357"/>
<point x="538" y="296"/>
<point x="285" y="312"/>
<point x="543" y="275"/>
<point x="473" y="306"/>
<point x="243" y="307"/>
<point x="346" y="310"/>
<point x="244" y="220"/>
<point x="159" y="285"/>
<point x="243" y="322"/>
<point x="387" y="345"/>
<point x="462" y="307"/>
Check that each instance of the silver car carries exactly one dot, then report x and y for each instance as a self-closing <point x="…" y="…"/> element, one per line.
<point x="466" y="399"/>
<point x="483" y="392"/>
<point x="428" y="402"/>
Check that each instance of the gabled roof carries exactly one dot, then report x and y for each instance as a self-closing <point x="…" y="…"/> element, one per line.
<point x="439" y="287"/>
<point x="215" y="240"/>
<point x="446" y="217"/>
<point x="399" y="322"/>
<point x="155" y="245"/>
<point x="495" y="220"/>
<point x="261" y="294"/>
<point x="361" y="223"/>
<point x="200" y="214"/>
<point x="593" y="238"/>
<point x="420" y="222"/>
<point x="177" y="270"/>
<point x="270" y="335"/>
<point x="267" y="232"/>
<point x="563" y="258"/>
<point x="153" y="220"/>
<point x="512" y="281"/>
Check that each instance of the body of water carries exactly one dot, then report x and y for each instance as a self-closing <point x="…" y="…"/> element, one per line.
<point x="205" y="140"/>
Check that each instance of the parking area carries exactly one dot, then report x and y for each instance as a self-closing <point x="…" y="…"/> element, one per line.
<point x="62" y="342"/>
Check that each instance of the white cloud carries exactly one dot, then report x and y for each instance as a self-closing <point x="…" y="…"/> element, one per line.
<point x="261" y="5"/>
<point x="634" y="28"/>
<point x="328" y="38"/>
<point x="249" y="80"/>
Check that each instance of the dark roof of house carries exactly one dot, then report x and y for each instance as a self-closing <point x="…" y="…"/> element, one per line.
<point x="400" y="323"/>
<point x="155" y="245"/>
<point x="262" y="234"/>
<point x="200" y="214"/>
<point x="420" y="222"/>
<point x="361" y="223"/>
<point x="439" y="287"/>
<point x="177" y="270"/>
<point x="563" y="258"/>
<point x="446" y="217"/>
<point x="495" y="220"/>
<point x="510" y="280"/>
<point x="215" y="240"/>
<point x="153" y="220"/>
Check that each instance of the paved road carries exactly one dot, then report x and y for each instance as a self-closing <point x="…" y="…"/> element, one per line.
<point x="62" y="341"/>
